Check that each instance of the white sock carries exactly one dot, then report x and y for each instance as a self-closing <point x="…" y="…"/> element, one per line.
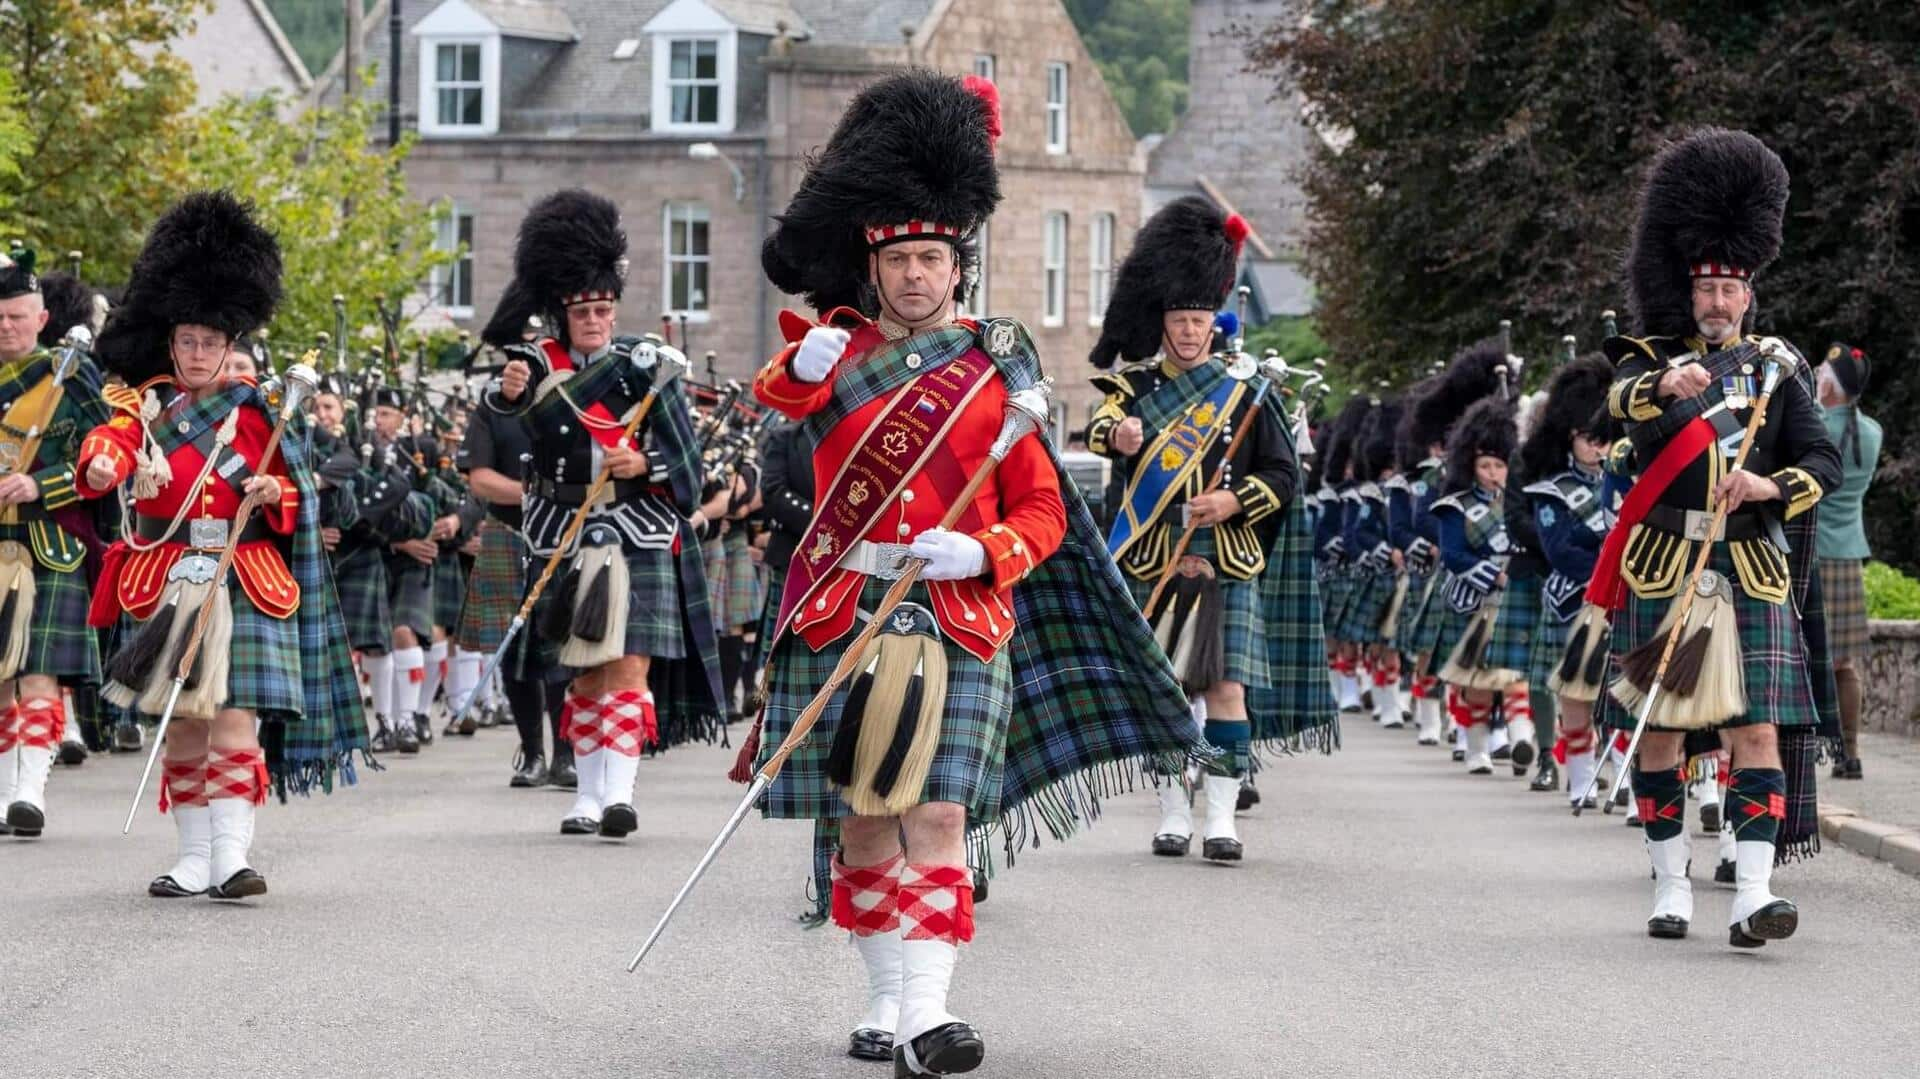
<point x="436" y="673"/>
<point x="463" y="677"/>
<point x="926" y="976"/>
<point x="379" y="670"/>
<point x="407" y="672"/>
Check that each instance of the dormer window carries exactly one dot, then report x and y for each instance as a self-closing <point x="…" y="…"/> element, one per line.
<point x="695" y="49"/>
<point x="459" y="90"/>
<point x="459" y="82"/>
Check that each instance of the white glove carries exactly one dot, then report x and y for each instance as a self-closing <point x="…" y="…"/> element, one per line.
<point x="950" y="556"/>
<point x="819" y="351"/>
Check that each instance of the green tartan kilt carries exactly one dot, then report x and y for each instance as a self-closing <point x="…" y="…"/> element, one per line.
<point x="1773" y="655"/>
<point x="494" y="588"/>
<point x="967" y="767"/>
<point x="1447" y="627"/>
<point x="59" y="641"/>
<point x="744" y="598"/>
<point x="1242" y="630"/>
<point x="653" y="611"/>
<point x="1421" y="629"/>
<point x="360" y="580"/>
<point x="263" y="675"/>
<point x="1335" y="588"/>
<point x="1515" y="626"/>
<point x="1366" y="606"/>
<point x="449" y="590"/>
<point x="410" y="592"/>
<point x="1549" y="645"/>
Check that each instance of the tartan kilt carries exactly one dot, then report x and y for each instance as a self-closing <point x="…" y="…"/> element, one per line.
<point x="744" y="599"/>
<point x="1549" y="644"/>
<point x="1335" y="588"/>
<point x="1421" y="629"/>
<point x="449" y="589"/>
<point x="410" y="593"/>
<point x="1243" y="631"/>
<point x="968" y="765"/>
<point x="1843" y="590"/>
<point x="494" y="588"/>
<point x="1773" y="655"/>
<point x="1446" y="627"/>
<point x="59" y="641"/>
<point x="1366" y="606"/>
<point x="264" y="657"/>
<point x="360" y="580"/>
<point x="653" y="612"/>
<point x="1516" y="626"/>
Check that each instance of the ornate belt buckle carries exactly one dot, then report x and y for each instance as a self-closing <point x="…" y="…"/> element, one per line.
<point x="1698" y="522"/>
<point x="889" y="560"/>
<point x="207" y="533"/>
<point x="194" y="568"/>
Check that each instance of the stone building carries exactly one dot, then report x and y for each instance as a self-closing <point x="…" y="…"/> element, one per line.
<point x="237" y="48"/>
<point x="1238" y="144"/>
<point x="696" y="117"/>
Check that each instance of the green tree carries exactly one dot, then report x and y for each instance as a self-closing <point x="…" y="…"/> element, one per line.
<point x="316" y="28"/>
<point x="337" y="201"/>
<point x="104" y="107"/>
<point x="15" y="139"/>
<point x="1483" y="159"/>
<point x="1140" y="47"/>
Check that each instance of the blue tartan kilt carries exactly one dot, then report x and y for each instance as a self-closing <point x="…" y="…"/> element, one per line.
<point x="494" y="588"/>
<point x="410" y="594"/>
<point x="264" y="662"/>
<point x="967" y="768"/>
<point x="1335" y="587"/>
<point x="1366" y="606"/>
<point x="1242" y="630"/>
<point x="360" y="580"/>
<point x="1511" y="646"/>
<point x="1447" y="626"/>
<point x="59" y="641"/>
<point x="449" y="590"/>
<point x="654" y="607"/>
<point x="1422" y="626"/>
<point x="1549" y="644"/>
<point x="1773" y="654"/>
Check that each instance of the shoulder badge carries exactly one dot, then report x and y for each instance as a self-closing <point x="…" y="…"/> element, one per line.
<point x="1000" y="337"/>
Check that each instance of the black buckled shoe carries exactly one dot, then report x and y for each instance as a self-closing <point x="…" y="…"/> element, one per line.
<point x="952" y="1049"/>
<point x="1667" y="927"/>
<point x="72" y="754"/>
<point x="618" y="821"/>
<point x="423" y="728"/>
<point x="1853" y="769"/>
<point x="1710" y="819"/>
<point x="1169" y="845"/>
<point x="382" y="740"/>
<point x="406" y="741"/>
<point x="1249" y="796"/>
<point x="561" y="772"/>
<point x="126" y="737"/>
<point x="869" y="1044"/>
<point x="26" y="819"/>
<point x="1221" y="850"/>
<point x="1775" y="921"/>
<point x="579" y="826"/>
<point x="528" y="771"/>
<point x="239" y="886"/>
<point x="165" y="887"/>
<point x="1547" y="778"/>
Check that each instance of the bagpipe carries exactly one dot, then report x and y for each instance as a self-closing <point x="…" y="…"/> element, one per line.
<point x="727" y="427"/>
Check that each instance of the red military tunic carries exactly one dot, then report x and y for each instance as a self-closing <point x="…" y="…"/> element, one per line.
<point x="133" y="580"/>
<point x="1019" y="511"/>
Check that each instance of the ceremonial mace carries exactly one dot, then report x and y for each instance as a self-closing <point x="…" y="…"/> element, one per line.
<point x="1274" y="369"/>
<point x="1027" y="413"/>
<point x="300" y="380"/>
<point x="670" y="365"/>
<point x="1769" y="380"/>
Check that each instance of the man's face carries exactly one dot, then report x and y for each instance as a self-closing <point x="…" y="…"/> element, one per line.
<point x="1186" y="336"/>
<point x="916" y="279"/>
<point x="1490" y="472"/>
<point x="240" y="365"/>
<point x="328" y="412"/>
<point x="590" y="326"/>
<point x="21" y="320"/>
<point x="387" y="420"/>
<point x="1719" y="303"/>
<point x="199" y="354"/>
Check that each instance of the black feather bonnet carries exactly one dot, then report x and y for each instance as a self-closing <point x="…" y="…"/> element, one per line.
<point x="1184" y="259"/>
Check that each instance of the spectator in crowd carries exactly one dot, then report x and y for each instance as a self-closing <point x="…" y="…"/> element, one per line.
<point x="1842" y="540"/>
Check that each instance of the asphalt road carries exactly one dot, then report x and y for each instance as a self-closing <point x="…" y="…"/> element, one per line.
<point x="1395" y="918"/>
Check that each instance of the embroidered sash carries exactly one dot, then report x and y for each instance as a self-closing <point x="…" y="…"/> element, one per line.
<point x="605" y="427"/>
<point x="1172" y="457"/>
<point x="893" y="449"/>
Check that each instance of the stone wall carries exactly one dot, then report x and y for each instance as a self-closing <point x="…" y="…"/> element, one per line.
<point x="1891" y="680"/>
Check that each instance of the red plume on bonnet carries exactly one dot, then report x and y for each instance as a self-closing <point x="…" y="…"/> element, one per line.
<point x="1237" y="231"/>
<point x="989" y="96"/>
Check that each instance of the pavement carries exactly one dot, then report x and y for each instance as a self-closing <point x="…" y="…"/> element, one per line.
<point x="1878" y="816"/>
<point x="1396" y="917"/>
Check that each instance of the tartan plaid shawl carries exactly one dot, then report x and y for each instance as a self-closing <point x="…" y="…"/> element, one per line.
<point x="309" y="754"/>
<point x="1295" y="710"/>
<point x="1095" y="701"/>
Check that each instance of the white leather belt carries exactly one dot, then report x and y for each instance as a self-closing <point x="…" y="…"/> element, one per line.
<point x="883" y="560"/>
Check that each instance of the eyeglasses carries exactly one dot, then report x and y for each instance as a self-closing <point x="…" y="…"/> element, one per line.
<point x="202" y="346"/>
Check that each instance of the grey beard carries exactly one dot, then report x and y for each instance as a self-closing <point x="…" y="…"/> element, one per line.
<point x="1706" y="335"/>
